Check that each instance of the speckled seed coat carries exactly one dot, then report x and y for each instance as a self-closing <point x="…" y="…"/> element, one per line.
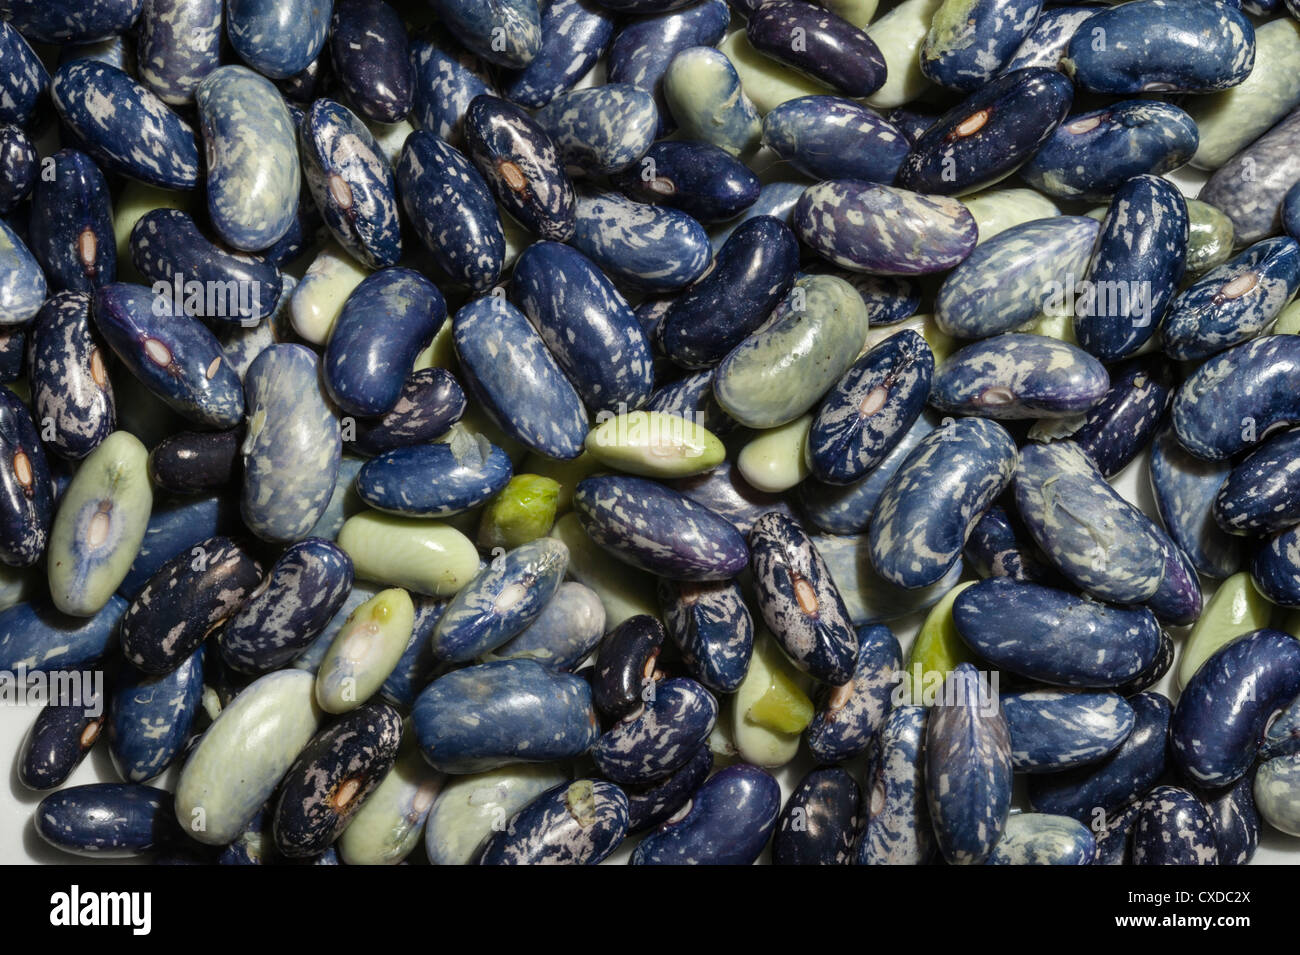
<point x="965" y="464"/>
<point x="829" y="137"/>
<point x="967" y="768"/>
<point x="1033" y="838"/>
<point x="882" y="230"/>
<point x="564" y="633"/>
<point x="730" y="819"/>
<point x="1185" y="488"/>
<point x="505" y="32"/>
<point x="969" y="40"/>
<point x="819" y="823"/>
<point x="601" y="130"/>
<point x="849" y="716"/>
<point x="577" y="823"/>
<point x="506" y="366"/>
<point x="184" y="601"/>
<point x="712" y="628"/>
<point x="293" y="445"/>
<point x="1093" y="536"/>
<point x="1173" y="827"/>
<point x="38" y="638"/>
<point x="649" y="247"/>
<point x="22" y="283"/>
<point x="125" y="127"/>
<point x="150" y="717"/>
<point x="278" y="38"/>
<point x="833" y="50"/>
<point x="658" y="530"/>
<point x="26" y="488"/>
<point x="1019" y="376"/>
<point x="1056" y="729"/>
<point x="1053" y="636"/>
<point x="446" y="79"/>
<point x="1250" y="187"/>
<point x="896" y="828"/>
<point x="1116" y="429"/>
<point x="333" y="776"/>
<point x="179" y="44"/>
<point x="575" y="34"/>
<point x="1253" y="498"/>
<point x="658" y="737"/>
<point x="107" y="820"/>
<point x="71" y="227"/>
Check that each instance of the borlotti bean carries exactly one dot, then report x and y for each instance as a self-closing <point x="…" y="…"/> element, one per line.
<point x="524" y="432"/>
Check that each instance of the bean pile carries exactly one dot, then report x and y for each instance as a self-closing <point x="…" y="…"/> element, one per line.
<point x="505" y="431"/>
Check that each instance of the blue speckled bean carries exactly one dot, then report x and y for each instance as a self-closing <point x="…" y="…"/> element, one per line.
<point x="1053" y="730"/>
<point x="107" y="820"/>
<point x="832" y="51"/>
<point x="505" y="32"/>
<point x="577" y="823"/>
<point x="896" y="828"/>
<point x="820" y="821"/>
<point x="601" y="130"/>
<point x="278" y="38"/>
<point x="575" y="34"/>
<point x="446" y="80"/>
<point x="151" y="716"/>
<point x="969" y="41"/>
<point x="1173" y="827"/>
<point x="649" y="247"/>
<point x="728" y="822"/>
<point x="712" y="628"/>
<point x="71" y="229"/>
<point x="1185" y="488"/>
<point x="849" y="716"/>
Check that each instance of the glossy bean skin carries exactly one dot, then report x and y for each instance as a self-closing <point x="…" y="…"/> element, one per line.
<point x="292" y="605"/>
<point x="990" y="135"/>
<point x="865" y="416"/>
<point x="26" y="78"/>
<point x="1282" y="737"/>
<point x="650" y="247"/>
<point x="175" y="356"/>
<point x="416" y="667"/>
<point x="370" y="53"/>
<point x="1091" y="154"/>
<point x="882" y="230"/>
<point x="643" y="49"/>
<point x="1053" y="636"/>
<point x="500" y="601"/>
<point x="1004" y="283"/>
<point x="800" y="602"/>
<point x="564" y="633"/>
<point x="184" y="601"/>
<point x="652" y="805"/>
<point x="18" y="164"/>
<point x="1116" y="780"/>
<point x="753" y="271"/>
<point x="1173" y="827"/>
<point x="1178" y="600"/>
<point x="848" y="509"/>
<point x="730" y="819"/>
<point x="1251" y="499"/>
<point x="1113" y="841"/>
<point x="22" y="283"/>
<point x="333" y="776"/>
<point x="26" y="488"/>
<point x="192" y="462"/>
<point x="278" y="40"/>
<point x="1237" y="397"/>
<point x="385" y="323"/>
<point x="967" y="464"/>
<point x="1236" y="821"/>
<point x="169" y="251"/>
<point x="1251" y="186"/>
<point x="1234" y="302"/>
<point x="1117" y="428"/>
<point x="140" y="137"/>
<point x="351" y="182"/>
<point x="253" y="181"/>
<point x="505" y="32"/>
<point x="469" y="809"/>
<point x="446" y="79"/>
<point x="968" y="42"/>
<point x="1275" y="570"/>
<point x="1098" y="540"/>
<point x="1018" y="376"/>
<point x="578" y="823"/>
<point x="1276" y="785"/>
<point x="691" y="397"/>
<point x="531" y="714"/>
<point x="1047" y="41"/>
<point x="451" y="209"/>
<point x="819" y="822"/>
<point x="38" y="637"/>
<point x="68" y="376"/>
<point x="602" y="130"/>
<point x="658" y="530"/>
<point x="1219" y="721"/>
<point x="999" y="546"/>
<point x="586" y="324"/>
<point x="62" y="736"/>
<point x="625" y="665"/>
<point x="151" y="716"/>
<point x="967" y="768"/>
<point x="521" y="166"/>
<point x="430" y="402"/>
<point x="896" y="828"/>
<point x="507" y="368"/>
<point x="1053" y="730"/>
<point x="575" y="34"/>
<point x="849" y="716"/>
<point x="99" y="526"/>
<point x="659" y="736"/>
<point x="1165" y="47"/>
<point x="107" y="820"/>
<point x="708" y="102"/>
<point x="293" y="445"/>
<point x="834" y="51"/>
<point x="179" y="44"/>
<point x="712" y="628"/>
<point x="71" y="230"/>
<point x="1185" y="490"/>
<point x="702" y="180"/>
<point x="1032" y="838"/>
<point x="434" y="480"/>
